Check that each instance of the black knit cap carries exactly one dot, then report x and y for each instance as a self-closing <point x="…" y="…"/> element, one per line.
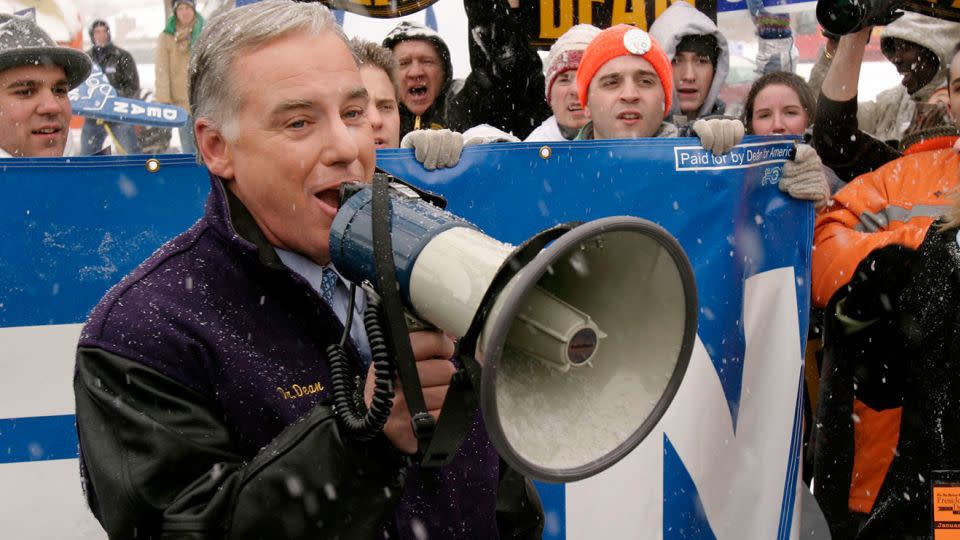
<point x="702" y="44"/>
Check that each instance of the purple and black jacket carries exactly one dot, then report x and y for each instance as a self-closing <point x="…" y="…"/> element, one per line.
<point x="203" y="411"/>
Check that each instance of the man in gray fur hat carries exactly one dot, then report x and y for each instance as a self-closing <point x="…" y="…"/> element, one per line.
<point x="35" y="76"/>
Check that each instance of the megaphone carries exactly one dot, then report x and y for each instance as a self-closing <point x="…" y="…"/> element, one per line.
<point x="583" y="343"/>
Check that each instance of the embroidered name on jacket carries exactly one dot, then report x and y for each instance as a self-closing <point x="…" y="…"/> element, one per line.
<point x="298" y="391"/>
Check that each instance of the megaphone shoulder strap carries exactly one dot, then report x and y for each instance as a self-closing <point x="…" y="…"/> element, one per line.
<point x="394" y="327"/>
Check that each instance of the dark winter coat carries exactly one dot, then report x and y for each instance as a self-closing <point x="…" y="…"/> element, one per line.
<point x="203" y="411"/>
<point x="505" y="87"/>
<point x="119" y="67"/>
<point x="911" y="358"/>
<point x="894" y="205"/>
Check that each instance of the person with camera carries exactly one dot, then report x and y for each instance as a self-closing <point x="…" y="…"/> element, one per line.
<point x="919" y="46"/>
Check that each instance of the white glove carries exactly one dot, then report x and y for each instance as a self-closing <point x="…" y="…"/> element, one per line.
<point x="803" y="177"/>
<point x="486" y="134"/>
<point x="719" y="135"/>
<point x="435" y="147"/>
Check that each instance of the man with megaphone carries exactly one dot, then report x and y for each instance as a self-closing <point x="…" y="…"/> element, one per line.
<point x="203" y="386"/>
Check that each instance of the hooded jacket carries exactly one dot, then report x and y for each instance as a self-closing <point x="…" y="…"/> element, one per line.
<point x="894" y="204"/>
<point x="505" y="87"/>
<point x="549" y="130"/>
<point x="680" y="20"/>
<point x="435" y="115"/>
<point x="117" y="64"/>
<point x="173" y="61"/>
<point x="203" y="411"/>
<point x="889" y="115"/>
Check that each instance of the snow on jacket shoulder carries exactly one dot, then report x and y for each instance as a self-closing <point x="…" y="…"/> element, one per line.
<point x="548" y="131"/>
<point x="925" y="326"/>
<point x="893" y="204"/>
<point x="679" y="20"/>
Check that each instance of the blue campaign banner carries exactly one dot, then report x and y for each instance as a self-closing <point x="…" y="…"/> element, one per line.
<point x="722" y="463"/>
<point x="70" y="228"/>
<point x="97" y="98"/>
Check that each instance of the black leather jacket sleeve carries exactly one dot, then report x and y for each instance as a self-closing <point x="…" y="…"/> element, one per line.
<point x="840" y="143"/>
<point x="158" y="461"/>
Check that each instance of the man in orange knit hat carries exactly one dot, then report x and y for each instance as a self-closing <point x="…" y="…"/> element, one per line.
<point x="625" y="83"/>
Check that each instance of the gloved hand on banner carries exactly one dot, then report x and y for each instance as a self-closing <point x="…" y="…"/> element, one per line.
<point x="719" y="135"/>
<point x="486" y="134"/>
<point x="803" y="177"/>
<point x="434" y="148"/>
<point x="441" y="148"/>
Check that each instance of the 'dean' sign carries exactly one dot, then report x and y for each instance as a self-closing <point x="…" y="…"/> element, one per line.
<point x="553" y="17"/>
<point x="545" y="20"/>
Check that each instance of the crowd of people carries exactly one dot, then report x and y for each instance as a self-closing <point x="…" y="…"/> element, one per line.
<point x="165" y="447"/>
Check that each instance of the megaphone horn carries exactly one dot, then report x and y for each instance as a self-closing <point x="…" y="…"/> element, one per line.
<point x="582" y="350"/>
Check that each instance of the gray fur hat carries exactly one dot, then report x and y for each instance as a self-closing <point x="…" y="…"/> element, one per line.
<point x="23" y="43"/>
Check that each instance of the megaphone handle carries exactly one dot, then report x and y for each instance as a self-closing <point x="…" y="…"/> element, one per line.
<point x="394" y="329"/>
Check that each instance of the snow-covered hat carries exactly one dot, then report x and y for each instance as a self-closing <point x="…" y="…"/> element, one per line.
<point x="407" y="30"/>
<point x="566" y="52"/>
<point x="23" y="43"/>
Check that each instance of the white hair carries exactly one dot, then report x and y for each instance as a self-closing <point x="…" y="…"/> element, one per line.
<point x="213" y="92"/>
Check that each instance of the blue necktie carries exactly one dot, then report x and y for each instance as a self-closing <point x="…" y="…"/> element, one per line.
<point x="328" y="284"/>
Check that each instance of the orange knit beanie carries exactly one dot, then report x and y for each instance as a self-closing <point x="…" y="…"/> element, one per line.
<point x="624" y="40"/>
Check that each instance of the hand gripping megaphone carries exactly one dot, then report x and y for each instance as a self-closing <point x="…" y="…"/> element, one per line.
<point x="575" y="342"/>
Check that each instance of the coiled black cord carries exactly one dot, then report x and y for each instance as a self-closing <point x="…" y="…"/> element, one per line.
<point x="362" y="424"/>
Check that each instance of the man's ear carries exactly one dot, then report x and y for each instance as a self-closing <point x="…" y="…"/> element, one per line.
<point x="214" y="148"/>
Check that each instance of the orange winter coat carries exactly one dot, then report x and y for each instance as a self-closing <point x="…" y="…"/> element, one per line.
<point x="894" y="204"/>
